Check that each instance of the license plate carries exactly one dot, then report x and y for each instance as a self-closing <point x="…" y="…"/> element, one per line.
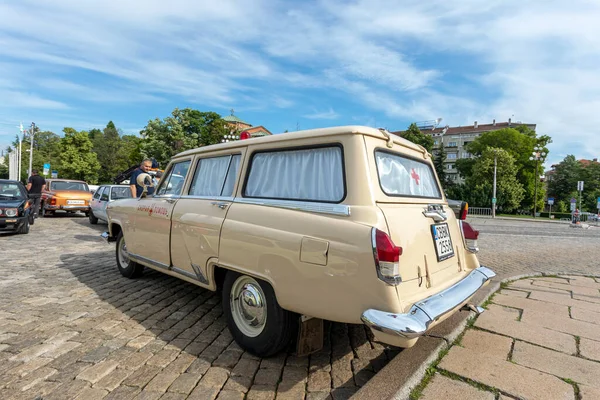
<point x="442" y="241"/>
<point x="75" y="202"/>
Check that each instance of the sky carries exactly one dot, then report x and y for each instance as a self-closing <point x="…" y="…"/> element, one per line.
<point x="292" y="65"/>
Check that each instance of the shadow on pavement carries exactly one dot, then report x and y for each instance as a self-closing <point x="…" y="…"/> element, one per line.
<point x="190" y="318"/>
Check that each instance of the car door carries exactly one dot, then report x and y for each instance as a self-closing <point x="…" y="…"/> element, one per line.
<point x="95" y="202"/>
<point x="103" y="202"/>
<point x="199" y="215"/>
<point x="153" y="217"/>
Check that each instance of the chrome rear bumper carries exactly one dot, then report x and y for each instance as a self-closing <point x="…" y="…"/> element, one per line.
<point x="422" y="314"/>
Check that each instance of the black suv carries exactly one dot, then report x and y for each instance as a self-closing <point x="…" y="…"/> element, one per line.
<point x="15" y="207"/>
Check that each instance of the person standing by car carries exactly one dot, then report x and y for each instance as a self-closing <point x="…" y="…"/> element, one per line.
<point x="136" y="190"/>
<point x="35" y="185"/>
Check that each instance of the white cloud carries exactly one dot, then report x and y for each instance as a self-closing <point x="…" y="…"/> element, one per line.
<point x="330" y="114"/>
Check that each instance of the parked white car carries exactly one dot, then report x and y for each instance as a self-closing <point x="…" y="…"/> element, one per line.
<point x="104" y="195"/>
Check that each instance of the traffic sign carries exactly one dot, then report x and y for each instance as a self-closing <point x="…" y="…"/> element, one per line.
<point x="493" y="200"/>
<point x="580" y="186"/>
<point x="54" y="174"/>
<point x="550" y="200"/>
<point x="572" y="206"/>
<point x="46" y="168"/>
<point x="573" y="200"/>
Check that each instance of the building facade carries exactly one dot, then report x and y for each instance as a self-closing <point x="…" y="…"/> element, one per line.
<point x="238" y="126"/>
<point x="455" y="139"/>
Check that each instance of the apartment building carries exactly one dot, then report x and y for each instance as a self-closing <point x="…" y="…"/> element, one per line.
<point x="456" y="138"/>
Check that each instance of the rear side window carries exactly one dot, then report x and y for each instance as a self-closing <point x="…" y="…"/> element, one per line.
<point x="403" y="176"/>
<point x="315" y="174"/>
<point x="215" y="177"/>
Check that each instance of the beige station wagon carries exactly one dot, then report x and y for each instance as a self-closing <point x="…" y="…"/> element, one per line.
<point x="346" y="224"/>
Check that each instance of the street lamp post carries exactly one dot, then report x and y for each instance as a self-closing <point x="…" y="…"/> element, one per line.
<point x="494" y="194"/>
<point x="537" y="155"/>
<point x="31" y="148"/>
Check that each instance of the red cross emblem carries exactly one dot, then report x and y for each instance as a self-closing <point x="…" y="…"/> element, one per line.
<point x="414" y="175"/>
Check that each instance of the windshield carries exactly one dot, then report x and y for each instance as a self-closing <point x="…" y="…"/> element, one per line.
<point x="12" y="191"/>
<point x="69" y="186"/>
<point x="123" y="192"/>
<point x="402" y="176"/>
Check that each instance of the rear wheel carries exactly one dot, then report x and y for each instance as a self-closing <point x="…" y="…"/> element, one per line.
<point x="127" y="267"/>
<point x="255" y="319"/>
<point x="93" y="219"/>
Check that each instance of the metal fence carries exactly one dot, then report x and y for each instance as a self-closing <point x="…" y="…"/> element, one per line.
<point x="482" y="212"/>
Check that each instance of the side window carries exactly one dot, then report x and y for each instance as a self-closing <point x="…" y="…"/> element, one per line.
<point x="104" y="195"/>
<point x="98" y="192"/>
<point x="172" y="183"/>
<point x="308" y="175"/>
<point x="215" y="176"/>
<point x="120" y="192"/>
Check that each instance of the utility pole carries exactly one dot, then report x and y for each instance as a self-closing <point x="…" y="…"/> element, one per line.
<point x="538" y="155"/>
<point x="494" y="194"/>
<point x="31" y="148"/>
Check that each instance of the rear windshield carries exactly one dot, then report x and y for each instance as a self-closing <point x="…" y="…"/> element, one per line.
<point x="69" y="186"/>
<point x="120" y="192"/>
<point x="402" y="176"/>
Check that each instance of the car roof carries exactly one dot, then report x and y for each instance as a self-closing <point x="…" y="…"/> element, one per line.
<point x="320" y="132"/>
<point x="10" y="181"/>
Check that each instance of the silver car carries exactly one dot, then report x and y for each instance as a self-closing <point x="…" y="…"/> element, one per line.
<point x="104" y="195"/>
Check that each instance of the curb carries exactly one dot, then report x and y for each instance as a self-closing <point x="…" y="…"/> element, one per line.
<point x="547" y="221"/>
<point x="369" y="390"/>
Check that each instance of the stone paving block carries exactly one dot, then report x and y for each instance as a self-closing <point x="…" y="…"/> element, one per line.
<point x="589" y="392"/>
<point x="343" y="393"/>
<point x="319" y="381"/>
<point x="140" y="341"/>
<point x="146" y="395"/>
<point x="204" y="392"/>
<point x="238" y="383"/>
<point x="575" y="289"/>
<point x="552" y="362"/>
<point x="564" y="300"/>
<point x="227" y="359"/>
<point x="492" y="320"/>
<point x="514" y="293"/>
<point x="532" y="305"/>
<point x="562" y="324"/>
<point x="199" y="366"/>
<point x="527" y="284"/>
<point x="230" y="395"/>
<point x="341" y="372"/>
<point x="295" y="373"/>
<point x="516" y="380"/>
<point x="589" y="349"/>
<point x="585" y="315"/>
<point x="112" y="381"/>
<point x="267" y="377"/>
<point x="163" y="358"/>
<point x="98" y="371"/>
<point x="142" y="376"/>
<point x="488" y="343"/>
<point x="135" y="360"/>
<point x="24" y="369"/>
<point x="185" y="383"/>
<point x="123" y="393"/>
<point x="215" y="377"/>
<point x="63" y="348"/>
<point x="161" y="382"/>
<point x="245" y="367"/>
<point x="68" y="390"/>
<point x="318" y="396"/>
<point x="173" y="396"/>
<point x="442" y="387"/>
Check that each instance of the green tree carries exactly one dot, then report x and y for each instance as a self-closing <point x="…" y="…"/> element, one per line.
<point x="106" y="145"/>
<point x="78" y="161"/>
<point x="182" y="130"/>
<point x="414" y="134"/>
<point x="564" y="179"/>
<point x="518" y="142"/>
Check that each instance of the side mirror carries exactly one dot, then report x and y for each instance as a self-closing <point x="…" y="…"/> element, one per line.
<point x="145" y="181"/>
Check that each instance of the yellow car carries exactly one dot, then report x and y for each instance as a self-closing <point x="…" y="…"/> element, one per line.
<point x="65" y="195"/>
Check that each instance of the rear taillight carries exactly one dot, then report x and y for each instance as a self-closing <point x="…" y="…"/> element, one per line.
<point x="464" y="210"/>
<point x="53" y="201"/>
<point x="470" y="235"/>
<point x="387" y="257"/>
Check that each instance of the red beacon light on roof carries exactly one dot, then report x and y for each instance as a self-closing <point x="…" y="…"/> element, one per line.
<point x="245" y="135"/>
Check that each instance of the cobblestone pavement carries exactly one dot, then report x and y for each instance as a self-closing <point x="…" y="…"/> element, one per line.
<point x="540" y="337"/>
<point x="71" y="327"/>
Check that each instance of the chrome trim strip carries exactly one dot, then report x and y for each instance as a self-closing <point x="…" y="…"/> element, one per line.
<point x="321" y="208"/>
<point x="184" y="272"/>
<point x="199" y="275"/>
<point x="422" y="314"/>
<point x="219" y="198"/>
<point x="137" y="257"/>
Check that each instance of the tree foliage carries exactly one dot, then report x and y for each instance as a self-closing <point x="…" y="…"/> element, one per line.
<point x="78" y="161"/>
<point x="438" y="163"/>
<point x="182" y="130"/>
<point x="414" y="134"/>
<point x="563" y="183"/>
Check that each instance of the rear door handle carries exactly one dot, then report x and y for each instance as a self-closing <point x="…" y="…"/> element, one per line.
<point x="219" y="204"/>
<point x="171" y="200"/>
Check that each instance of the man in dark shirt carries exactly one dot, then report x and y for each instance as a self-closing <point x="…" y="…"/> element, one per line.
<point x="136" y="190"/>
<point x="35" y="184"/>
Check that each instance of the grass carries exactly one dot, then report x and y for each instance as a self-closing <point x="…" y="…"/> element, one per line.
<point x="526" y="216"/>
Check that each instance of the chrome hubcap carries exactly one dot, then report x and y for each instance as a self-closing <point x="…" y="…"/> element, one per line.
<point x="248" y="306"/>
<point x="123" y="254"/>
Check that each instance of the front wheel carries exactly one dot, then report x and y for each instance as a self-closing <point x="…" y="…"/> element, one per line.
<point x="256" y="321"/>
<point x="127" y="267"/>
<point x="24" y="229"/>
<point x="92" y="218"/>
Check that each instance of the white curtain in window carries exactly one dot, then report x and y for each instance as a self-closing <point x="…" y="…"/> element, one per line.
<point x="403" y="176"/>
<point x="312" y="175"/>
<point x="210" y="176"/>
